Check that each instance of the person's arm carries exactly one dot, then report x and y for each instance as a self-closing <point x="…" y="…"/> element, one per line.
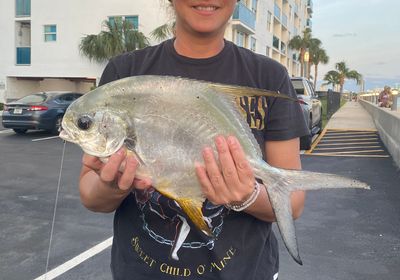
<point x="281" y="154"/>
<point x="231" y="179"/>
<point x="102" y="186"/>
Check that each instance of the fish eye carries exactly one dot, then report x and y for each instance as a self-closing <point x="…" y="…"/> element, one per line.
<point x="85" y="122"/>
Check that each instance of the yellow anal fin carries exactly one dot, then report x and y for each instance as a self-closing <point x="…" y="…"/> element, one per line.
<point x="194" y="213"/>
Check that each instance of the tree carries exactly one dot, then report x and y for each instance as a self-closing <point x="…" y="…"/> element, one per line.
<point x="313" y="47"/>
<point x="163" y="32"/>
<point x="301" y="44"/>
<point x="345" y="73"/>
<point x="332" y="78"/>
<point x="119" y="36"/>
<point x="318" y="56"/>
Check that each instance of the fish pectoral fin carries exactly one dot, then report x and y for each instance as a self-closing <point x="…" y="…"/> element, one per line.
<point x="239" y="91"/>
<point x="193" y="210"/>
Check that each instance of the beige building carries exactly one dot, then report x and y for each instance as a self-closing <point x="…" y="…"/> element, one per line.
<point x="40" y="39"/>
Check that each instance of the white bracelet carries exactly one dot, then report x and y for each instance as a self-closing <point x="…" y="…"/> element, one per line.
<point x="242" y="206"/>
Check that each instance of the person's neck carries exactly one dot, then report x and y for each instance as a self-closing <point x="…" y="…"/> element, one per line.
<point x="198" y="47"/>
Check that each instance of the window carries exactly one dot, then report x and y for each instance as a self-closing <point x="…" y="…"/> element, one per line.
<point x="283" y="47"/>
<point x="133" y="20"/>
<point x="269" y="20"/>
<point x="277" y="11"/>
<point x="253" y="44"/>
<point x="240" y="39"/>
<point x="254" y="6"/>
<point x="50" y="33"/>
<point x="275" y="42"/>
<point x="267" y="50"/>
<point x="22" y="8"/>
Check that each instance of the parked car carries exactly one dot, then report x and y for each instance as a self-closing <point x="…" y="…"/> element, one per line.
<point x="42" y="110"/>
<point x="312" y="109"/>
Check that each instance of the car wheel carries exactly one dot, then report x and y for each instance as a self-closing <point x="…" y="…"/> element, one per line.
<point x="57" y="125"/>
<point x="305" y="142"/>
<point x="20" y="130"/>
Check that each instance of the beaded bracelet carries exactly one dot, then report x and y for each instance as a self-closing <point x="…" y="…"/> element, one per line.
<point x="242" y="206"/>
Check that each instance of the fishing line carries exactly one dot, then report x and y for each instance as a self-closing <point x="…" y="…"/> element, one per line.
<point x="55" y="210"/>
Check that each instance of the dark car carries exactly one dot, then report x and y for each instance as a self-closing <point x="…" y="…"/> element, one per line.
<point x="42" y="110"/>
<point x="312" y="109"/>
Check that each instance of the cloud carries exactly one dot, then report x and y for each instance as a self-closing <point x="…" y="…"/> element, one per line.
<point x="380" y="63"/>
<point x="341" y="35"/>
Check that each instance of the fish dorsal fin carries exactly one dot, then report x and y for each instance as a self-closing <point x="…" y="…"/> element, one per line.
<point x="239" y="91"/>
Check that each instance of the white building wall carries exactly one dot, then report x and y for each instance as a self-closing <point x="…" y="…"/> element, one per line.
<point x="6" y="42"/>
<point x="76" y="19"/>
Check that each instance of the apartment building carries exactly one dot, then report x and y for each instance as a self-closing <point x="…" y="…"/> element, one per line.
<point x="40" y="39"/>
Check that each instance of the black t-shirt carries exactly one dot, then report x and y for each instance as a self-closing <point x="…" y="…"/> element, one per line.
<point x="152" y="236"/>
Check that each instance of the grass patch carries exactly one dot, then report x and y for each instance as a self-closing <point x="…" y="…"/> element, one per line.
<point x="324" y="111"/>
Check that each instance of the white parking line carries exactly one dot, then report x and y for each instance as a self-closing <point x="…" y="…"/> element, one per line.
<point x="5" y="131"/>
<point x="76" y="261"/>
<point x="46" y="138"/>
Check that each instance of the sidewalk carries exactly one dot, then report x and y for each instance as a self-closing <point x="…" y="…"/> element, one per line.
<point x="351" y="116"/>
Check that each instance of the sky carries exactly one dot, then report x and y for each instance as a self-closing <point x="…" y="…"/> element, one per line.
<point x="363" y="33"/>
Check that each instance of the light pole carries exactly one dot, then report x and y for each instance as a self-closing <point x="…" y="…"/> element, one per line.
<point x="306" y="59"/>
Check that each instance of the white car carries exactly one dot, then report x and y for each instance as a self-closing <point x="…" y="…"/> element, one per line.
<point x="312" y="109"/>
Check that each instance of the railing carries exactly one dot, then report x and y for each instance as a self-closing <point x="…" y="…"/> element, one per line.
<point x="23" y="55"/>
<point x="309" y="23"/>
<point x="244" y="15"/>
<point x="310" y="6"/>
<point x="284" y="20"/>
<point x="277" y="11"/>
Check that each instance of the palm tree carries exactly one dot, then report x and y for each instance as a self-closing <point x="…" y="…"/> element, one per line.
<point x="318" y="56"/>
<point x="301" y="44"/>
<point x="313" y="47"/>
<point x="345" y="73"/>
<point x="163" y="32"/>
<point x="119" y="37"/>
<point x="332" y="78"/>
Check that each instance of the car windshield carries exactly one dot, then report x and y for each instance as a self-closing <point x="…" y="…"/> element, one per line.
<point x="298" y="86"/>
<point x="33" y="98"/>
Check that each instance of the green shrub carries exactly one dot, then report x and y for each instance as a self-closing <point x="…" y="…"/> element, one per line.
<point x="1" y="106"/>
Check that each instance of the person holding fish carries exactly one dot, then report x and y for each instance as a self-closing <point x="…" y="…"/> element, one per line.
<point x="161" y="234"/>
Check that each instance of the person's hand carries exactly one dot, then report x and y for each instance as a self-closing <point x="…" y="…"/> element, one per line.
<point x="118" y="172"/>
<point x="230" y="180"/>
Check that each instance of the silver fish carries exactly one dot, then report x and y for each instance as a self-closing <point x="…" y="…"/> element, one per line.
<point x="166" y="122"/>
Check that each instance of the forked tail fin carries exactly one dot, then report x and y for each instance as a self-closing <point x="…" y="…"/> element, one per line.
<point x="280" y="183"/>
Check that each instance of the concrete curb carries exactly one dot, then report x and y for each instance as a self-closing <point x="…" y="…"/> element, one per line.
<point x="388" y="125"/>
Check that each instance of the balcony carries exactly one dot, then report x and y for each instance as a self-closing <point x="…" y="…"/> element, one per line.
<point x="23" y="55"/>
<point x="296" y="10"/>
<point x="310" y="6"/>
<point x="244" y="19"/>
<point x="309" y="23"/>
<point x="277" y="11"/>
<point x="284" y="20"/>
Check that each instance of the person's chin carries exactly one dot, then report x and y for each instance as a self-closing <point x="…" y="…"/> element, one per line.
<point x="207" y="29"/>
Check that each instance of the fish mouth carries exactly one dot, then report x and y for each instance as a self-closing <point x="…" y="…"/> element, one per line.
<point x="64" y="135"/>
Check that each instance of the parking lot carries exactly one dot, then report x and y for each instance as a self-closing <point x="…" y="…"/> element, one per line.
<point x="343" y="234"/>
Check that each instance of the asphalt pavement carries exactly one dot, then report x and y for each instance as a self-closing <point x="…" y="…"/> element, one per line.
<point x="342" y="234"/>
